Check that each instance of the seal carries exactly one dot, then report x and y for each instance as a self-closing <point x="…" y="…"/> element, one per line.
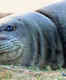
<point x="30" y="39"/>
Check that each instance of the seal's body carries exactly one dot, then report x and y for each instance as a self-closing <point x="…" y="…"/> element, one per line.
<point x="31" y="39"/>
<point x="57" y="13"/>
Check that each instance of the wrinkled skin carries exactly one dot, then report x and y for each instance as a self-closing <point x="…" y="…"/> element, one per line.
<point x="57" y="13"/>
<point x="34" y="40"/>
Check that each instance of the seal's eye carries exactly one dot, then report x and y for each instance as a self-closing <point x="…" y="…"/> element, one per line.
<point x="10" y="28"/>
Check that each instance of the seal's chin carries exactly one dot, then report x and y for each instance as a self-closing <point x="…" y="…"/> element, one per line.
<point x="10" y="50"/>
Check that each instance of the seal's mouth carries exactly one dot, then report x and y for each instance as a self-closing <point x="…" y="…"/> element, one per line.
<point x="11" y="50"/>
<point x="9" y="46"/>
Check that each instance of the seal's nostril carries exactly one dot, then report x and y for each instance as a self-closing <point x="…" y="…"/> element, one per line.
<point x="3" y="38"/>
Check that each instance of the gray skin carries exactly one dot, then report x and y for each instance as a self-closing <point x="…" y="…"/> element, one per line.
<point x="57" y="13"/>
<point x="30" y="39"/>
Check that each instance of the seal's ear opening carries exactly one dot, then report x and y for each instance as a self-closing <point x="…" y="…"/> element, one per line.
<point x="4" y="14"/>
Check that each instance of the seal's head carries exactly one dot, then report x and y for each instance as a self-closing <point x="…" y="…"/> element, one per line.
<point x="12" y="39"/>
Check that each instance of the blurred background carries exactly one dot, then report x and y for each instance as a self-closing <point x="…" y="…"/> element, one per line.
<point x="13" y="6"/>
